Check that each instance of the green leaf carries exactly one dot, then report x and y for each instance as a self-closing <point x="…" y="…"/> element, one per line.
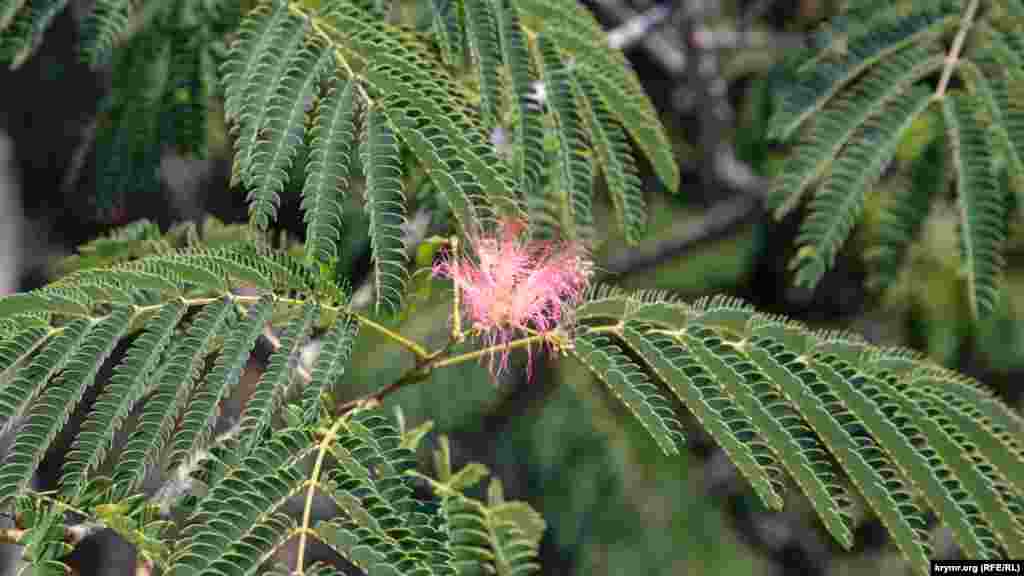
<point x="51" y="411"/>
<point x="981" y="203"/>
<point x="327" y="173"/>
<point x="630" y="384"/>
<point x="385" y="205"/>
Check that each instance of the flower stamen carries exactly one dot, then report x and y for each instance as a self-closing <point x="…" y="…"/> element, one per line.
<point x="517" y="286"/>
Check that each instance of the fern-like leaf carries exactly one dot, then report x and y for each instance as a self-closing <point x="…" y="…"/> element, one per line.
<point x="616" y="161"/>
<point x="385" y="205"/>
<point x="904" y="213"/>
<point x="989" y="81"/>
<point x="236" y="524"/>
<point x="198" y="417"/>
<point x="516" y="530"/>
<point x="529" y="149"/>
<point x="51" y="411"/>
<point x="783" y="428"/>
<point x="484" y="46"/>
<point x="982" y="498"/>
<point x="464" y="171"/>
<point x="335" y="349"/>
<point x="981" y="202"/>
<point x="371" y="487"/>
<point x="270" y="159"/>
<point x="101" y="29"/>
<point x="814" y="83"/>
<point x="118" y="397"/>
<point x="1012" y="103"/>
<point x="839" y="121"/>
<point x="327" y="175"/>
<point x="629" y="383"/>
<point x="602" y="301"/>
<point x="837" y="207"/>
<point x="16" y="394"/>
<point x="778" y="396"/>
<point x="570" y="204"/>
<point x="173" y="381"/>
<point x="265" y="24"/>
<point x="872" y="471"/>
<point x="713" y="408"/>
<point x="445" y="23"/>
<point x="575" y="30"/>
<point x="493" y="538"/>
<point x="256" y="417"/>
<point x="880" y="414"/>
<point x="283" y="66"/>
<point x="1000" y="446"/>
<point x="19" y="344"/>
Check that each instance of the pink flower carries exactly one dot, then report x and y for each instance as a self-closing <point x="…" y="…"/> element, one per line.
<point x="515" y="285"/>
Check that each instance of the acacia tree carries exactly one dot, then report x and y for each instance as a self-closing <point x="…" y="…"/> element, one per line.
<point x="499" y="115"/>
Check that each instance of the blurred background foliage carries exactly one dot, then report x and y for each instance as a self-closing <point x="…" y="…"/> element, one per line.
<point x="613" y="505"/>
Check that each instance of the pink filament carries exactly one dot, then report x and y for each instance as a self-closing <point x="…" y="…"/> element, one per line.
<point x="516" y="284"/>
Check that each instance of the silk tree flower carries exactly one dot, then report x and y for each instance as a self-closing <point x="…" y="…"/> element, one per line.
<point x="516" y="286"/>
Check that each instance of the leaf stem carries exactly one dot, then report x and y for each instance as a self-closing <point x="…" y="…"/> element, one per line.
<point x="307" y="508"/>
<point x="954" y="51"/>
<point x="522" y="342"/>
<point x="420" y="352"/>
<point x="320" y="28"/>
<point x="423" y="370"/>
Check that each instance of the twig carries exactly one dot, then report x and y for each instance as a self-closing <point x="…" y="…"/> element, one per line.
<point x="423" y="369"/>
<point x="719" y="220"/>
<point x="417" y="374"/>
<point x="660" y="39"/>
<point x="658" y="42"/>
<point x="420" y="352"/>
<point x="636" y="28"/>
<point x="954" y="51"/>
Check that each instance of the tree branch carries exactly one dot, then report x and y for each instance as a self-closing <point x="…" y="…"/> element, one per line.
<point x="719" y="220"/>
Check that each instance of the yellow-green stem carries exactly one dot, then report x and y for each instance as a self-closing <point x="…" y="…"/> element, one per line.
<point x="522" y="342"/>
<point x="307" y="508"/>
<point x="420" y="352"/>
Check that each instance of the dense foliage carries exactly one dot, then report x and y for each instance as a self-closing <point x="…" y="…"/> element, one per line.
<point x="500" y="114"/>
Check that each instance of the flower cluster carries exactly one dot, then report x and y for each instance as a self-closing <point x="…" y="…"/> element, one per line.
<point x="515" y="285"/>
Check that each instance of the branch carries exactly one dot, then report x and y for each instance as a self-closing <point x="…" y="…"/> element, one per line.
<point x="693" y="41"/>
<point x="954" y="51"/>
<point x="660" y="39"/>
<point x="719" y="220"/>
<point x="637" y="28"/>
<point x="632" y="27"/>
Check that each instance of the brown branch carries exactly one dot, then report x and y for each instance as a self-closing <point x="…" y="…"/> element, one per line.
<point x="719" y="220"/>
<point x="373" y="399"/>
